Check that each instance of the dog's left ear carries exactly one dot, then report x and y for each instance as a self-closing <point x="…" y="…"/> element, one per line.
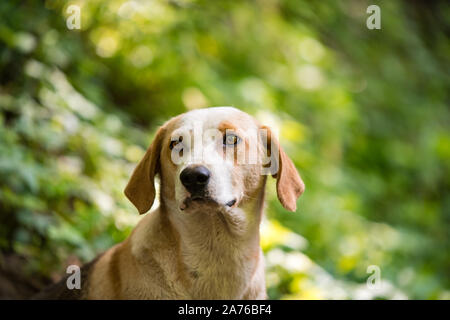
<point x="140" y="190"/>
<point x="289" y="184"/>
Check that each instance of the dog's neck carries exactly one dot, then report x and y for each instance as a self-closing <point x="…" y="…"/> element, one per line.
<point x="220" y="249"/>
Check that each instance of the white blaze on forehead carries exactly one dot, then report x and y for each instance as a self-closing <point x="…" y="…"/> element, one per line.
<point x="212" y="117"/>
<point x="202" y="125"/>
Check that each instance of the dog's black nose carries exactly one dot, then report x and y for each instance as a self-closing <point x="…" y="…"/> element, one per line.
<point x="195" y="178"/>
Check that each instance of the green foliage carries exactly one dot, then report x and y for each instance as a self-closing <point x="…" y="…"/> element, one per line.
<point x="363" y="114"/>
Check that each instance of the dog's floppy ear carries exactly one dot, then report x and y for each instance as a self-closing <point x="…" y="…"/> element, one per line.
<point x="289" y="184"/>
<point x="140" y="190"/>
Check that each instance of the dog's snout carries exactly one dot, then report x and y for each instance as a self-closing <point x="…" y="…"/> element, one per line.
<point x="195" y="178"/>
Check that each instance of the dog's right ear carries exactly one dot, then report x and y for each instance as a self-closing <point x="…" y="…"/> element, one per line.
<point x="140" y="190"/>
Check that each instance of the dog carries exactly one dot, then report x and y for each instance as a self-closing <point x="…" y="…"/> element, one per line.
<point x="202" y="242"/>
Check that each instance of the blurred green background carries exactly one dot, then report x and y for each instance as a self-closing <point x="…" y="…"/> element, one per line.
<point x="363" y="113"/>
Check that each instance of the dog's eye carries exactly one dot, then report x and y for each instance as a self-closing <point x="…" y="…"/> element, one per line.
<point x="174" y="143"/>
<point x="231" y="140"/>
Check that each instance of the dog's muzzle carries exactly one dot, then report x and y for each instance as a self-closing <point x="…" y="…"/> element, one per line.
<point x="195" y="179"/>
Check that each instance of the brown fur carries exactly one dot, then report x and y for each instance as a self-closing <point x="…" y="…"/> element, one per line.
<point x="206" y="252"/>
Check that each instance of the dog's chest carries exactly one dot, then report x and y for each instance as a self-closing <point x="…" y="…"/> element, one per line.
<point x="219" y="274"/>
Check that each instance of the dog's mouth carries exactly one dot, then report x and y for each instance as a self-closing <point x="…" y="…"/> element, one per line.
<point x="205" y="200"/>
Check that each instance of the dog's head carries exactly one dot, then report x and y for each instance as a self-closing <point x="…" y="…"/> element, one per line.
<point x="213" y="158"/>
